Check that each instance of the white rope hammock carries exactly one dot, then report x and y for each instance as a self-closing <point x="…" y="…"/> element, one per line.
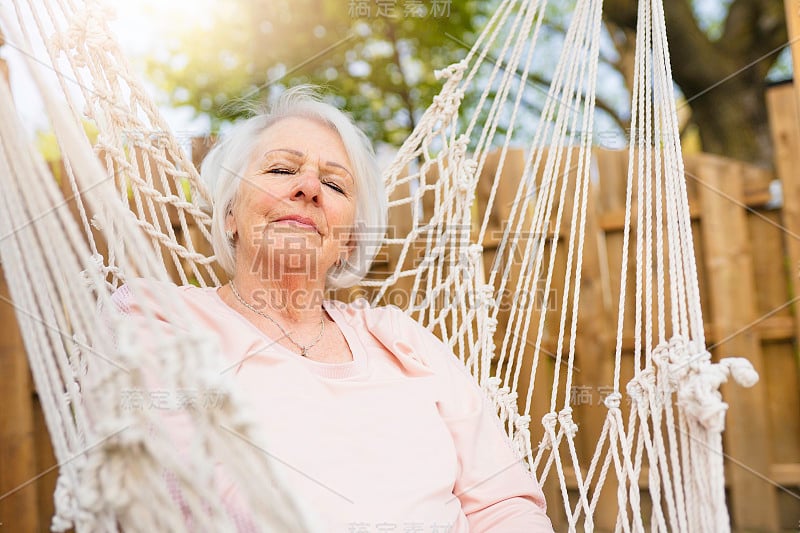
<point x="134" y="218"/>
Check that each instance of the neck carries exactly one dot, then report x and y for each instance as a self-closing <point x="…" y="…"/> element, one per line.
<point x="293" y="297"/>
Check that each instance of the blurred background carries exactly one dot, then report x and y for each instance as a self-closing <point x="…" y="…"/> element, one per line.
<point x="209" y="62"/>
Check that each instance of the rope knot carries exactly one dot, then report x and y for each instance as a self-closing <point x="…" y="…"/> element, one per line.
<point x="487" y="291"/>
<point x="741" y="370"/>
<point x="570" y="427"/>
<point x="464" y="182"/>
<point x="93" y="269"/>
<point x="485" y="298"/>
<point x="452" y="72"/>
<point x="459" y="147"/>
<point x="466" y="165"/>
<point x="673" y="360"/>
<point x="522" y="435"/>
<point x="96" y="272"/>
<point x="612" y="400"/>
<point x="549" y="421"/>
<point x="639" y="387"/>
<point x="67" y="509"/>
<point x="469" y="166"/>
<point x="475" y="252"/>
<point x="522" y="422"/>
<point x="698" y="393"/>
<point x="86" y="29"/>
<point x="664" y="352"/>
<point x="447" y="102"/>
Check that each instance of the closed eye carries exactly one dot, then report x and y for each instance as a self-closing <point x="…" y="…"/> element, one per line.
<point x="281" y="170"/>
<point x="334" y="186"/>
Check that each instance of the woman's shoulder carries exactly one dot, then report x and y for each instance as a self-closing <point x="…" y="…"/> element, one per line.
<point x="142" y="291"/>
<point x="409" y="341"/>
<point x="385" y="317"/>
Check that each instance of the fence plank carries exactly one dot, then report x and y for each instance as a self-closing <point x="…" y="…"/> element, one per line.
<point x="781" y="365"/>
<point x="792" y="9"/>
<point x="595" y="357"/>
<point x="784" y="120"/>
<point x="785" y="127"/>
<point x="18" y="509"/>
<point x="732" y="291"/>
<point x="542" y="376"/>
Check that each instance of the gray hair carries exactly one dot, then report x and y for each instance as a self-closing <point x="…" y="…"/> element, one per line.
<point x="226" y="163"/>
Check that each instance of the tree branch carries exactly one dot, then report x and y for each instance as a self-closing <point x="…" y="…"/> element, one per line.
<point x="701" y="62"/>
<point x="624" y="40"/>
<point x="754" y="28"/>
<point x="403" y="90"/>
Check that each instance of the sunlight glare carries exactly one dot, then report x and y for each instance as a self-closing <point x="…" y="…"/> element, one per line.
<point x="146" y="26"/>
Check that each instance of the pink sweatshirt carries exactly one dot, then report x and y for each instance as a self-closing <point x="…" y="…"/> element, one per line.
<point x="400" y="439"/>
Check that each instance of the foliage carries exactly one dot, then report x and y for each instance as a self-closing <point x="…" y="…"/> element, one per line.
<point x="380" y="54"/>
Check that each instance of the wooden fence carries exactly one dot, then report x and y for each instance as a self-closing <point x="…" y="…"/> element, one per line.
<point x="747" y="244"/>
<point x="747" y="241"/>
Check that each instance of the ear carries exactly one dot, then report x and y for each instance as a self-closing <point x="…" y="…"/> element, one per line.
<point x="347" y="249"/>
<point x="230" y="222"/>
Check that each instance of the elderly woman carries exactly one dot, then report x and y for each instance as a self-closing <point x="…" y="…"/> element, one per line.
<point x="381" y="426"/>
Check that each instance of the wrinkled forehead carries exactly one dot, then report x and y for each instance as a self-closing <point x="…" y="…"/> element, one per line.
<point x="298" y="126"/>
<point x="305" y="135"/>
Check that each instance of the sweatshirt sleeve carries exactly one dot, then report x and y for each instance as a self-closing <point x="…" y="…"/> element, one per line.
<point x="496" y="490"/>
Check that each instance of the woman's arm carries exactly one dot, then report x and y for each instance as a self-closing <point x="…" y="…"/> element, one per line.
<point x="496" y="491"/>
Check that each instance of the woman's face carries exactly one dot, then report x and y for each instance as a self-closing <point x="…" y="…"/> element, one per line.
<point x="295" y="206"/>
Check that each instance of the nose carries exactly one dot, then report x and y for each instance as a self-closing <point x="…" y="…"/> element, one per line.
<point x="307" y="186"/>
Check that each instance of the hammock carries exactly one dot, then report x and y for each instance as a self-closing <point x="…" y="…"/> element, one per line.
<point x="143" y="213"/>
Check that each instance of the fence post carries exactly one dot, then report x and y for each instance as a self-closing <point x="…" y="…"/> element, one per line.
<point x="785" y="126"/>
<point x="731" y="283"/>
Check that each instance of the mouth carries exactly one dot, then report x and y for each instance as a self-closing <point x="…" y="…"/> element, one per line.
<point x="299" y="222"/>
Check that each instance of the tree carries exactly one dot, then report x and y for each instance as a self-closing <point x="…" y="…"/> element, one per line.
<point x="381" y="55"/>
<point x="722" y="76"/>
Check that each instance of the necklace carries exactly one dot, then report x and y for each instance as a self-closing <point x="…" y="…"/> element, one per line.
<point x="303" y="348"/>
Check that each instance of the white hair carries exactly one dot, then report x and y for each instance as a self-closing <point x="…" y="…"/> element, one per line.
<point x="226" y="163"/>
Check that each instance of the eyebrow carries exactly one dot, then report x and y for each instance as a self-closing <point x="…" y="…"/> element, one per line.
<point x="301" y="154"/>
